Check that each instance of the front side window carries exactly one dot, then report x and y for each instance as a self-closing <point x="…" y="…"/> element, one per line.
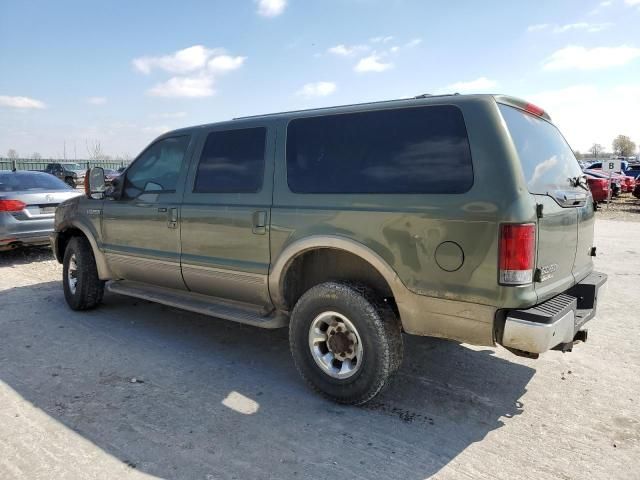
<point x="232" y="161"/>
<point x="409" y="150"/>
<point x="157" y="169"/>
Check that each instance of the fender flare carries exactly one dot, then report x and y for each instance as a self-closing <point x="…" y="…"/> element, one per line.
<point x="104" y="273"/>
<point x="292" y="251"/>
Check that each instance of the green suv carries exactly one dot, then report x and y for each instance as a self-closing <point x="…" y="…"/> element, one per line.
<point x="461" y="217"/>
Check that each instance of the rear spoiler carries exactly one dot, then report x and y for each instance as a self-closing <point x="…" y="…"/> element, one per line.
<point x="522" y="105"/>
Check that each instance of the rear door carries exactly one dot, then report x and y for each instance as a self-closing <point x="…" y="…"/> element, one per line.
<point x="566" y="216"/>
<point x="226" y="213"/>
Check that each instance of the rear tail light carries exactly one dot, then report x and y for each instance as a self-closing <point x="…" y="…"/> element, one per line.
<point x="11" y="205"/>
<point x="517" y="253"/>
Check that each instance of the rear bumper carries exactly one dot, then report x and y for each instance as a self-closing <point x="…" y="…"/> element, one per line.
<point x="24" y="239"/>
<point x="555" y="322"/>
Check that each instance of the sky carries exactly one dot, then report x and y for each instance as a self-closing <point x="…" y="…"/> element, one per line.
<point x="73" y="73"/>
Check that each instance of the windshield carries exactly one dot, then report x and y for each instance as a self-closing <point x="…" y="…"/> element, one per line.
<point x="24" y="181"/>
<point x="546" y="158"/>
<point x="73" y="166"/>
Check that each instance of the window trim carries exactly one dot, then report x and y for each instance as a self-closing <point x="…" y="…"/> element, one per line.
<point x="370" y="110"/>
<point x="149" y="147"/>
<point x="224" y="130"/>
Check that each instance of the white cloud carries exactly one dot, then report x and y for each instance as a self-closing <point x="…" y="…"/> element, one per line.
<point x="632" y="3"/>
<point x="537" y="27"/>
<point x="414" y="43"/>
<point x="191" y="87"/>
<point x="587" y="114"/>
<point x="20" y="102"/>
<point x="606" y="3"/>
<point x="589" y="27"/>
<point x="346" y="50"/>
<point x="386" y="39"/>
<point x="225" y="63"/>
<point x="581" y="58"/>
<point x="197" y="66"/>
<point x="183" y="61"/>
<point x="169" y="115"/>
<point x="317" y="89"/>
<point x="477" y="85"/>
<point x="156" y="129"/>
<point x="372" y="63"/>
<point x="96" y="100"/>
<point x="271" y="8"/>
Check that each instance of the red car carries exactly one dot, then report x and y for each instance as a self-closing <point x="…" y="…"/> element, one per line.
<point x="599" y="188"/>
<point x="627" y="183"/>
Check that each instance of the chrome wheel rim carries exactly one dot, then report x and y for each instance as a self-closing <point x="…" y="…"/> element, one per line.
<point x="335" y="345"/>
<point x="72" y="274"/>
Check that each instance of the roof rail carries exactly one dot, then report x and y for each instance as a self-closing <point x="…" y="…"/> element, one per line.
<point x="428" y="95"/>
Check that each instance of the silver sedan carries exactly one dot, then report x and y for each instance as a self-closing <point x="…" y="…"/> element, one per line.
<point x="28" y="203"/>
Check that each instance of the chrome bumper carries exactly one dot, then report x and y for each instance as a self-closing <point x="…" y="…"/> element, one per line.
<point x="556" y="321"/>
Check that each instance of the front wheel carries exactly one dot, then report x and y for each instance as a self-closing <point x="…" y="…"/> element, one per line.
<point x="83" y="289"/>
<point x="345" y="341"/>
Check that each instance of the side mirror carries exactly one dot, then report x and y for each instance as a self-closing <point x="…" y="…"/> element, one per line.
<point x="95" y="187"/>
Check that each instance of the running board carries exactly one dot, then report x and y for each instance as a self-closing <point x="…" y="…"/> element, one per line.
<point x="195" y="302"/>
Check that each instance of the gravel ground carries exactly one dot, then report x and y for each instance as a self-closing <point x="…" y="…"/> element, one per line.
<point x="136" y="390"/>
<point x="625" y="208"/>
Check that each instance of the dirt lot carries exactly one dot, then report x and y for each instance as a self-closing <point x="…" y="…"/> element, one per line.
<point x="625" y="208"/>
<point x="133" y="390"/>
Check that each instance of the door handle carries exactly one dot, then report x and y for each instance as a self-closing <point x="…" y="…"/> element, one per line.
<point x="172" y="216"/>
<point x="259" y="222"/>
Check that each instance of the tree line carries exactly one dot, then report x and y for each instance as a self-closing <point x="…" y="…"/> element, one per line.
<point x="622" y="146"/>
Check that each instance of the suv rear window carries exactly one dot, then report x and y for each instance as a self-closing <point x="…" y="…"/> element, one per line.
<point x="546" y="158"/>
<point x="409" y="150"/>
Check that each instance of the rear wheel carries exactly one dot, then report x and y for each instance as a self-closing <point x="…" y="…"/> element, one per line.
<point x="345" y="342"/>
<point x="83" y="289"/>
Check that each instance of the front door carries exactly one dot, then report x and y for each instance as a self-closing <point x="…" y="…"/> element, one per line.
<point x="141" y="230"/>
<point x="225" y="215"/>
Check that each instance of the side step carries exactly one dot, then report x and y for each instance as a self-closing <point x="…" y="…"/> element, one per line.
<point x="195" y="302"/>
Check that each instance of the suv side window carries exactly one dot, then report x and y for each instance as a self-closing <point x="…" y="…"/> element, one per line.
<point x="232" y="161"/>
<point x="409" y="150"/>
<point x="157" y="169"/>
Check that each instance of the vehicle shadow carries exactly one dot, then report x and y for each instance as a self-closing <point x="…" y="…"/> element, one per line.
<point x="180" y="395"/>
<point x="25" y="255"/>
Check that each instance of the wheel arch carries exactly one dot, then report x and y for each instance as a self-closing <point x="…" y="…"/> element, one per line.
<point x="283" y="265"/>
<point x="78" y="229"/>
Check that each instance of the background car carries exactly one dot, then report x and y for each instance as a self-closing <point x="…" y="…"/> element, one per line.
<point x="616" y="183"/>
<point x="28" y="203"/>
<point x="72" y="173"/>
<point x="110" y="174"/>
<point x="599" y="188"/>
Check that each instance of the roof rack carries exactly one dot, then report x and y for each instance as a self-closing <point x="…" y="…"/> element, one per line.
<point x="428" y="95"/>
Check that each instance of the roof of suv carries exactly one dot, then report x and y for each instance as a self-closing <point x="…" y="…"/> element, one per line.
<point x="423" y="99"/>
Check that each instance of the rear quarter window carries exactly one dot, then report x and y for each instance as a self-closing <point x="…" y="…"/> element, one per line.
<point x="418" y="150"/>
